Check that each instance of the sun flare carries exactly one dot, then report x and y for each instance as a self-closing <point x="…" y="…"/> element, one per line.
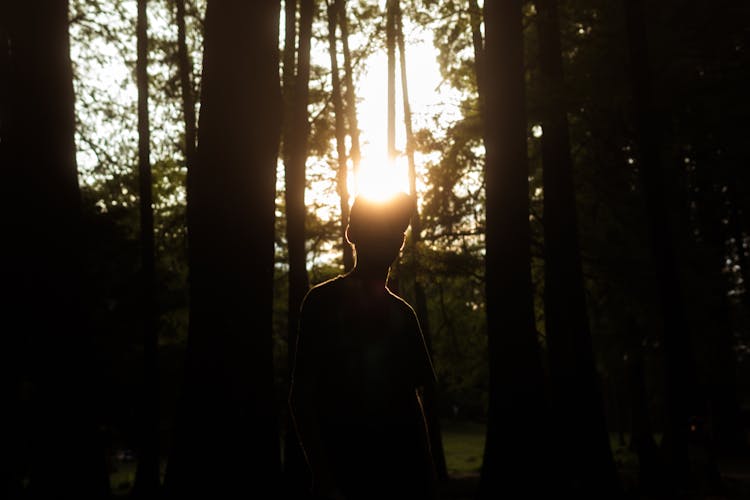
<point x="381" y="180"/>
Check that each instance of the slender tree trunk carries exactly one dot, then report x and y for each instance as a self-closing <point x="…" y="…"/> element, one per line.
<point x="430" y="394"/>
<point x="227" y="441"/>
<point x="589" y="463"/>
<point x="296" y="132"/>
<point x="296" y="157"/>
<point x="147" y="480"/>
<point x="185" y="71"/>
<point x="390" y="43"/>
<point x="288" y="75"/>
<point x="351" y="102"/>
<point x="679" y="375"/>
<point x="186" y="85"/>
<point x="13" y="456"/>
<point x="48" y="352"/>
<point x="650" y="466"/>
<point x="515" y="448"/>
<point x="475" y="14"/>
<point x="340" y="127"/>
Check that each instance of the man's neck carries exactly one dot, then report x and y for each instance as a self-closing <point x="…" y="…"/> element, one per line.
<point x="373" y="279"/>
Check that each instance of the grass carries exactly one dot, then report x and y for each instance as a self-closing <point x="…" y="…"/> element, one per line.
<point x="463" y="443"/>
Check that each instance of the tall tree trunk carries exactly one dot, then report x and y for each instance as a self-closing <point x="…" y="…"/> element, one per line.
<point x="515" y="448"/>
<point x="288" y="61"/>
<point x="351" y="102"/>
<point x="295" y="159"/>
<point x="677" y="354"/>
<point x="13" y="455"/>
<point x="589" y="464"/>
<point x="430" y="392"/>
<point x="475" y="16"/>
<point x="390" y="44"/>
<point x="227" y="441"/>
<point x="650" y="466"/>
<point x="296" y="132"/>
<point x="147" y="480"/>
<point x="340" y="127"/>
<point x="48" y="352"/>
<point x="185" y="65"/>
<point x="294" y="461"/>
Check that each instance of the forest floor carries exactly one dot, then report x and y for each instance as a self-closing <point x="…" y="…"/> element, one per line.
<point x="463" y="443"/>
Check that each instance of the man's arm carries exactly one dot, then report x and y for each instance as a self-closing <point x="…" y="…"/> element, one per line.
<point x="424" y="371"/>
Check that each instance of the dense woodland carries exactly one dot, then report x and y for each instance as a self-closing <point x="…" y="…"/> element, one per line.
<point x="578" y="261"/>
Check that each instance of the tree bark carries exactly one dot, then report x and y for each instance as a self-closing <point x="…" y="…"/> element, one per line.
<point x="678" y="363"/>
<point x="515" y="448"/>
<point x="351" y="102"/>
<point x="390" y="44"/>
<point x="650" y="465"/>
<point x="295" y="159"/>
<point x="147" y="481"/>
<point x="475" y="15"/>
<point x="227" y="441"/>
<point x="296" y="133"/>
<point x="589" y="466"/>
<point x="186" y="85"/>
<point x="48" y="356"/>
<point x="340" y="127"/>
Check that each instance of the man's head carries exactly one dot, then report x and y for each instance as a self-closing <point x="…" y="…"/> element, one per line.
<point x="376" y="228"/>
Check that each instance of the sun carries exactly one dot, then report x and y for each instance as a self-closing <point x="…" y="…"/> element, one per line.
<point x="380" y="180"/>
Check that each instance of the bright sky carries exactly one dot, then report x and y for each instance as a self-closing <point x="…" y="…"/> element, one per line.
<point x="423" y="78"/>
<point x="427" y="97"/>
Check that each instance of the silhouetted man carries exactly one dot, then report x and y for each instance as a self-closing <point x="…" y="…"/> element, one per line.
<point x="361" y="361"/>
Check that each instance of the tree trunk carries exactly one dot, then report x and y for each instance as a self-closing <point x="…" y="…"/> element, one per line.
<point x="49" y="385"/>
<point x="338" y="111"/>
<point x="147" y="481"/>
<point x="679" y="377"/>
<point x="430" y="393"/>
<point x="296" y="136"/>
<point x="351" y="102"/>
<point x="296" y="132"/>
<point x="475" y="15"/>
<point x="650" y="466"/>
<point x="13" y="457"/>
<point x="186" y="84"/>
<point x="515" y="448"/>
<point x="589" y="465"/>
<point x="390" y="44"/>
<point x="226" y="441"/>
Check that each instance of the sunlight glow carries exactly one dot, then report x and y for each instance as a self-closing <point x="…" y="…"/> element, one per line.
<point x="381" y="180"/>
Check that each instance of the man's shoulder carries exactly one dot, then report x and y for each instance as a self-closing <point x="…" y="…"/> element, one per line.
<point x="323" y="292"/>
<point x="402" y="304"/>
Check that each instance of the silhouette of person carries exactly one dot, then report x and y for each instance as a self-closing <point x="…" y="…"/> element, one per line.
<point x="361" y="362"/>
